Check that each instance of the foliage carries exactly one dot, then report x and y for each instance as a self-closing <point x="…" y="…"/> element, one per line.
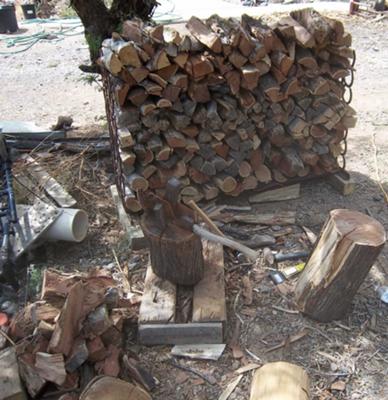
<point x="67" y="12"/>
<point x="35" y="279"/>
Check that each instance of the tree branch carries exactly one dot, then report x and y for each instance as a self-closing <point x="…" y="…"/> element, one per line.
<point x="100" y="22"/>
<point x="124" y="9"/>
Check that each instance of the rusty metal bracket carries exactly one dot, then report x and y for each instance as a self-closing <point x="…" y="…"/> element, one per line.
<point x="347" y="98"/>
<point x="113" y="135"/>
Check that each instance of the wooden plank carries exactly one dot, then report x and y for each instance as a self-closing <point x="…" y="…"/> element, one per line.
<point x="158" y="301"/>
<point x="49" y="184"/>
<point x="191" y="333"/>
<point x="342" y="182"/>
<point x="199" y="351"/>
<point x="209" y="294"/>
<point x="34" y="221"/>
<point x="279" y="218"/>
<point x="285" y="193"/>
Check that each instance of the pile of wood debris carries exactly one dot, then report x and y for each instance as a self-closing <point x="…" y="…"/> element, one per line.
<point x="74" y="333"/>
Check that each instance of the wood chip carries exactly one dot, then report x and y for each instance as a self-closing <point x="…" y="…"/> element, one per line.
<point x="230" y="388"/>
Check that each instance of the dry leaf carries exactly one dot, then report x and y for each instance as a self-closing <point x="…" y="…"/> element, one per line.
<point x="338" y="385"/>
<point x="181" y="377"/>
<point x="247" y="290"/>
<point x="197" y="381"/>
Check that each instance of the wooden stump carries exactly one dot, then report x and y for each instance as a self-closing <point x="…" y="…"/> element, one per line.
<point x="176" y="253"/>
<point x="280" y="381"/>
<point x="348" y="246"/>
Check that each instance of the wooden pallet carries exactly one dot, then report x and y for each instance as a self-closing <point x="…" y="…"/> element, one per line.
<point x="158" y="319"/>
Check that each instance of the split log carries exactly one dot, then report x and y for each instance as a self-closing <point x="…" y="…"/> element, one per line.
<point x="32" y="380"/>
<point x="348" y="246"/>
<point x="204" y="34"/>
<point x="126" y="52"/>
<point x="51" y="367"/>
<point x="111" y="61"/>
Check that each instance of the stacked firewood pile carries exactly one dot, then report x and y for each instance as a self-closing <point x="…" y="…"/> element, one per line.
<point x="72" y="334"/>
<point x="228" y="105"/>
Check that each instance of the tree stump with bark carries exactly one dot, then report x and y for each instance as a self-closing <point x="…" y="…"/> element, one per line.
<point x="349" y="244"/>
<point x="176" y="253"/>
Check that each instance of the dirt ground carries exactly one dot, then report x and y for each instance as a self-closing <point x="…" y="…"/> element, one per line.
<point x="351" y="354"/>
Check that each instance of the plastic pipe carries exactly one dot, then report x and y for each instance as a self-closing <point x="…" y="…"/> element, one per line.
<point x="71" y="226"/>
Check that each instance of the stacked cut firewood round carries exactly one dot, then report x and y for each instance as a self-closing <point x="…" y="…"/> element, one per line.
<point x="228" y="105"/>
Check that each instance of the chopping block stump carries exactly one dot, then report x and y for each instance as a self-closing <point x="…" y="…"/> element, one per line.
<point x="176" y="253"/>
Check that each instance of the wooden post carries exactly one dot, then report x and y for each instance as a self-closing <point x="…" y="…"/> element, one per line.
<point x="348" y="246"/>
<point x="176" y="253"/>
<point x="280" y="381"/>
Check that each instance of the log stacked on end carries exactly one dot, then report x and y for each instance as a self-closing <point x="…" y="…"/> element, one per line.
<point x="228" y="105"/>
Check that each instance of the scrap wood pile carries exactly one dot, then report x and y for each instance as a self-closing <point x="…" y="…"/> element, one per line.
<point x="228" y="105"/>
<point x="72" y="334"/>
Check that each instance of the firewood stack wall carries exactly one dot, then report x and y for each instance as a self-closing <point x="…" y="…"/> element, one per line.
<point x="228" y="105"/>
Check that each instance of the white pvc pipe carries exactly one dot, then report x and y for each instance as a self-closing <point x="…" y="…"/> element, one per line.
<point x="71" y="226"/>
